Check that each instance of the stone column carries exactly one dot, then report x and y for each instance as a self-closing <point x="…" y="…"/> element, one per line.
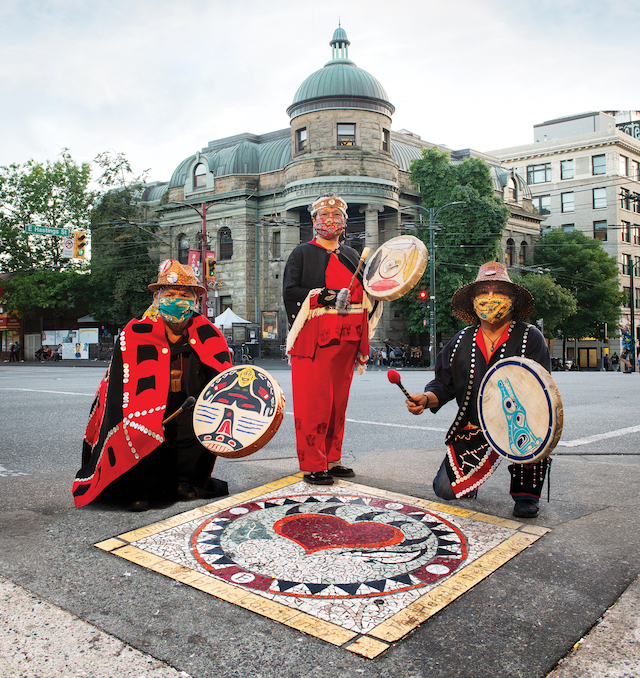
<point x="371" y="211"/>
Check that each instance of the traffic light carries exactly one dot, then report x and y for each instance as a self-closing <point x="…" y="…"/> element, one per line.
<point x="422" y="298"/>
<point x="210" y="269"/>
<point x="602" y="331"/>
<point x="79" y="244"/>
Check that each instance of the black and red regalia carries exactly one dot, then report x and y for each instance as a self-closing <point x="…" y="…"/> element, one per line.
<point x="125" y="424"/>
<point x="324" y="346"/>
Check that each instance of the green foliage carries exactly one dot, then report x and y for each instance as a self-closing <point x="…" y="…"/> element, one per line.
<point x="29" y="292"/>
<point x="52" y="194"/>
<point x="469" y="234"/>
<point x="121" y="267"/>
<point x="581" y="265"/>
<point x="553" y="304"/>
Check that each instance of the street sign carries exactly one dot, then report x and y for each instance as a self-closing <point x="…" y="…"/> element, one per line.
<point x="67" y="248"/>
<point x="46" y="230"/>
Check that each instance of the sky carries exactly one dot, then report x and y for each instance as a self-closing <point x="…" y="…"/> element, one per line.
<point x="158" y="79"/>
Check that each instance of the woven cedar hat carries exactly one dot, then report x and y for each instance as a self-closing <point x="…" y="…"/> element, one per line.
<point x="494" y="271"/>
<point x="172" y="273"/>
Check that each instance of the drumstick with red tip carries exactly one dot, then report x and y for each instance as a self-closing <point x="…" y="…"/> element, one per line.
<point x="186" y="405"/>
<point x="394" y="378"/>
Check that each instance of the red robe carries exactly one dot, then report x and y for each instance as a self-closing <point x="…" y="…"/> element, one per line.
<point x="125" y="424"/>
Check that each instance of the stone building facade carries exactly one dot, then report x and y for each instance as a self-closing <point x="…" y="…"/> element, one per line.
<point x="256" y="190"/>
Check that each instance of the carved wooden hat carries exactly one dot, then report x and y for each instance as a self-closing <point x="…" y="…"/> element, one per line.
<point x="493" y="271"/>
<point x="172" y="273"/>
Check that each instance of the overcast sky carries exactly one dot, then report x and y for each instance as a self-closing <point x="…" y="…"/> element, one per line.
<point x="158" y="79"/>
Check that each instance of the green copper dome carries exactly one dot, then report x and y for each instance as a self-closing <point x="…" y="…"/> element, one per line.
<point x="340" y="84"/>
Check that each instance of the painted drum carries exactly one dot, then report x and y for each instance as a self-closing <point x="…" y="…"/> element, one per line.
<point x="395" y="268"/>
<point x="520" y="410"/>
<point x="238" y="412"/>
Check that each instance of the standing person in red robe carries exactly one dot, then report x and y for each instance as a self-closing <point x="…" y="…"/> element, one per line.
<point x="329" y="334"/>
<point x="170" y="354"/>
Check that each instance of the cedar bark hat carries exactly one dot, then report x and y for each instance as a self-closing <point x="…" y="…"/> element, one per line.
<point x="493" y="271"/>
<point x="172" y="273"/>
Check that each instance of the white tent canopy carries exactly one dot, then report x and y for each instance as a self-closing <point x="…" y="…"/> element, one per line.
<point x="229" y="319"/>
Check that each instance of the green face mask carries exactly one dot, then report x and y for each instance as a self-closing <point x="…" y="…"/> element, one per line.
<point x="176" y="311"/>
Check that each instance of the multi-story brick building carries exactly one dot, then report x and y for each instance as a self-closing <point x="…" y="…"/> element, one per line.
<point x="583" y="172"/>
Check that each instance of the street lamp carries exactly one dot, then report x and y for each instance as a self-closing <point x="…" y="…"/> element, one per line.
<point x="433" y="213"/>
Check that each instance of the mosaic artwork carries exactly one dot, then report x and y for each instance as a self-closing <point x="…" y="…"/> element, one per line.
<point x="355" y="566"/>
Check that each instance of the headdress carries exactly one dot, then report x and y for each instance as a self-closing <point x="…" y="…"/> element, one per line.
<point x="172" y="273"/>
<point x="329" y="199"/>
<point x="494" y="271"/>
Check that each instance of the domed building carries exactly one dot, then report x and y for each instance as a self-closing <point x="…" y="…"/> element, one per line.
<point x="257" y="188"/>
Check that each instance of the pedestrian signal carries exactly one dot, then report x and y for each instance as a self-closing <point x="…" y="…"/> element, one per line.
<point x="79" y="244"/>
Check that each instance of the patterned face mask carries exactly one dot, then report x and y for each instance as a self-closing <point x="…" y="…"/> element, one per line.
<point x="492" y="307"/>
<point x="329" y="227"/>
<point x="176" y="311"/>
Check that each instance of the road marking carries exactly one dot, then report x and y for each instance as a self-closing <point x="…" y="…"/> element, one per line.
<point x="5" y="472"/>
<point x="382" y="423"/>
<point x="600" y="436"/>
<point x="39" y="390"/>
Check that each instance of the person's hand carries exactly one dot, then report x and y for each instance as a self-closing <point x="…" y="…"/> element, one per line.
<point x="419" y="405"/>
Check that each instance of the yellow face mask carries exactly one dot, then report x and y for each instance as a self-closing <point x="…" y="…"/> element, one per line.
<point x="492" y="307"/>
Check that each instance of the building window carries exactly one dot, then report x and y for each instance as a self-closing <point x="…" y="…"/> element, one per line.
<point x="598" y="164"/>
<point x="509" y="252"/>
<point x="567" y="228"/>
<point x="523" y="253"/>
<point x="199" y="176"/>
<point x="225" y="248"/>
<point x="275" y="245"/>
<point x="625" y="232"/>
<point x="626" y="296"/>
<point x="566" y="169"/>
<point x="568" y="203"/>
<point x="626" y="264"/>
<point x="624" y="166"/>
<point x="599" y="198"/>
<point x="538" y="174"/>
<point x="600" y="230"/>
<point x="183" y="249"/>
<point x="301" y="139"/>
<point x="637" y="298"/>
<point x="636" y="234"/>
<point x="542" y="203"/>
<point x="635" y="170"/>
<point x="386" y="141"/>
<point x="346" y="134"/>
<point x="625" y="199"/>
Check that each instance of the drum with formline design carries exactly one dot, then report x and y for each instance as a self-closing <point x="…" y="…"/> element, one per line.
<point x="238" y="412"/>
<point x="520" y="410"/>
<point x="395" y="268"/>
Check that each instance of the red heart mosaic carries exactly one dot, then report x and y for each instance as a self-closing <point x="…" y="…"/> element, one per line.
<point x="320" y="532"/>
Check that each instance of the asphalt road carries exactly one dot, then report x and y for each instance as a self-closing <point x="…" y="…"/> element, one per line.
<point x="518" y="622"/>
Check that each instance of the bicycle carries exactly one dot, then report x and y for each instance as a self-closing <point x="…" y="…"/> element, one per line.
<point x="245" y="356"/>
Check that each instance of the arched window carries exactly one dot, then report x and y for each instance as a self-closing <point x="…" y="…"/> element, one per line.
<point x="200" y="176"/>
<point x="523" y="252"/>
<point x="225" y="248"/>
<point x="509" y="253"/>
<point x="183" y="249"/>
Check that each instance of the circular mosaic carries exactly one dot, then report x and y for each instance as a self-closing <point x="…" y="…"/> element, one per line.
<point x="329" y="546"/>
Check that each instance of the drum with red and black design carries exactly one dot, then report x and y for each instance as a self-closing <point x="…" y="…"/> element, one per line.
<point x="520" y="410"/>
<point x="395" y="268"/>
<point x="238" y="412"/>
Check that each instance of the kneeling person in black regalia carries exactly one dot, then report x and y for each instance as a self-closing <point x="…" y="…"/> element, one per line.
<point x="496" y="308"/>
<point x="129" y="453"/>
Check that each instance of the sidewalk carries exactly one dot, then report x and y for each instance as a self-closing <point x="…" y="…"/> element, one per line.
<point x="52" y="643"/>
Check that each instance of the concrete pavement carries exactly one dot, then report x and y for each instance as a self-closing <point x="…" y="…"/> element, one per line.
<point x="34" y="633"/>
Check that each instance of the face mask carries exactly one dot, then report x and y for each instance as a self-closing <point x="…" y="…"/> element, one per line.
<point x="329" y="227"/>
<point x="176" y="311"/>
<point x="492" y="308"/>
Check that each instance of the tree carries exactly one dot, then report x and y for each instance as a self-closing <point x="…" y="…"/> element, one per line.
<point x="581" y="265"/>
<point x="469" y="235"/>
<point x="51" y="194"/>
<point x="553" y="303"/>
<point x="121" y="267"/>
